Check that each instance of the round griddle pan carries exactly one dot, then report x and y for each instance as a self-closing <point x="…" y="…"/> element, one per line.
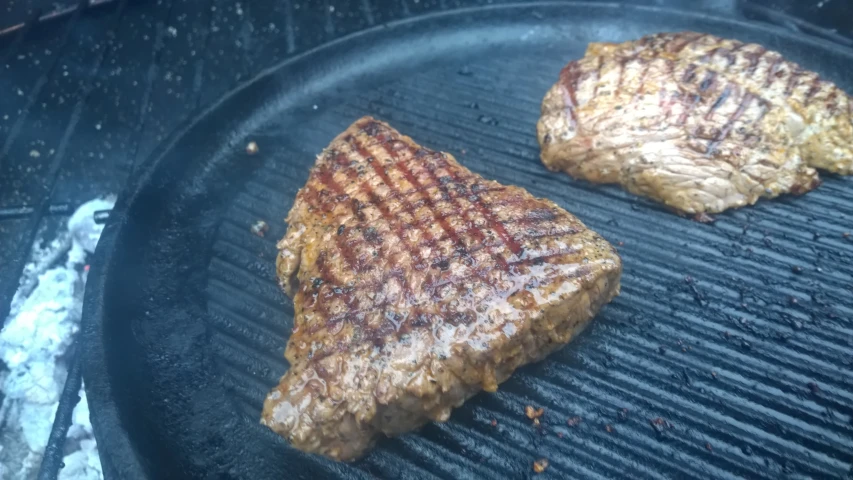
<point x="727" y="355"/>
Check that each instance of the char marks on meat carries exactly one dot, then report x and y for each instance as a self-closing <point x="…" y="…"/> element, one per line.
<point x="416" y="284"/>
<point x="695" y="121"/>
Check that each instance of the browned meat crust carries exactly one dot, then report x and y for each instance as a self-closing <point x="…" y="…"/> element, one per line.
<point x="695" y="121"/>
<point x="416" y="284"/>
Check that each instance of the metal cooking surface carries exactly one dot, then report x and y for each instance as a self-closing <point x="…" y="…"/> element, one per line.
<point x="727" y="355"/>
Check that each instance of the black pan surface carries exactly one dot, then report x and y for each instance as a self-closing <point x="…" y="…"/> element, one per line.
<point x="727" y="355"/>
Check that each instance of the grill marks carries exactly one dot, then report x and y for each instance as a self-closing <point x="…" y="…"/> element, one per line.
<point x="598" y="77"/>
<point x="814" y="86"/>
<point x="569" y="79"/>
<point x="386" y="154"/>
<point x="712" y="77"/>
<point x="683" y="42"/>
<point x="694" y="100"/>
<point x="792" y="81"/>
<point x="773" y="71"/>
<point x="719" y="101"/>
<point x="689" y="74"/>
<point x="730" y="56"/>
<point x="395" y="147"/>
<point x="708" y="81"/>
<point x="381" y="204"/>
<point x="728" y="122"/>
<point x="430" y="159"/>
<point x="727" y="128"/>
<point x="475" y="231"/>
<point x="754" y="59"/>
<point x="623" y="65"/>
<point x="327" y="178"/>
<point x="643" y="74"/>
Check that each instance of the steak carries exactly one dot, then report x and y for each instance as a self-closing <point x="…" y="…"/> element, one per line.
<point x="417" y="284"/>
<point x="695" y="121"/>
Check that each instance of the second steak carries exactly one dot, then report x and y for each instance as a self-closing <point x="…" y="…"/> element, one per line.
<point x="694" y="121"/>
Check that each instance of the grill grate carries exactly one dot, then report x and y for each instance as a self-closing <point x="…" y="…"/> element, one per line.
<point x="722" y="355"/>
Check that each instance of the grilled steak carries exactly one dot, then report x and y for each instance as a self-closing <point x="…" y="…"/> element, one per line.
<point x="416" y="284"/>
<point x="695" y="121"/>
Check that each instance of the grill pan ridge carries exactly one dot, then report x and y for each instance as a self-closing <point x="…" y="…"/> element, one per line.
<point x="719" y="360"/>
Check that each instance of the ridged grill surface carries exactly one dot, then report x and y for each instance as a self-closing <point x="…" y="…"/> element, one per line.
<point x="727" y="355"/>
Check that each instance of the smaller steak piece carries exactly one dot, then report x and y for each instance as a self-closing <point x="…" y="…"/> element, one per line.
<point x="695" y="121"/>
<point x="417" y="284"/>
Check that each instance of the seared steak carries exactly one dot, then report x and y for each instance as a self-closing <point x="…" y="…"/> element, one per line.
<point x="416" y="284"/>
<point x="695" y="121"/>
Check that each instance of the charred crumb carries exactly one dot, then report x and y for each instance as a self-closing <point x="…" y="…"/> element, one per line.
<point x="704" y="218"/>
<point x="341" y="230"/>
<point x="252" y="148"/>
<point x="540" y="465"/>
<point x="260" y="228"/>
<point x="533" y="413"/>
<point x="659" y="425"/>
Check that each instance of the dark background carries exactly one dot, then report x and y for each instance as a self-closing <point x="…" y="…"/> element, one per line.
<point x="88" y="89"/>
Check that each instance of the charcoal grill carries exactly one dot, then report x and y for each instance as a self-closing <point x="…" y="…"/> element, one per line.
<point x="727" y="355"/>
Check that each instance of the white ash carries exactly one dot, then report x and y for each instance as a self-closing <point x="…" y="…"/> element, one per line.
<point x="44" y="318"/>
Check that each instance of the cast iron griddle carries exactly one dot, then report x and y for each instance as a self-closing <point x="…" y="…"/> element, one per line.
<point x="727" y="355"/>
